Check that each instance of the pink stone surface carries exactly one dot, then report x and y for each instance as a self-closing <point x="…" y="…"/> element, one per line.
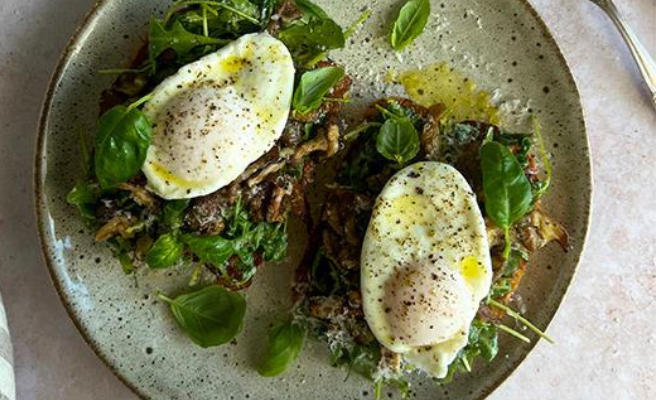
<point x="605" y="329"/>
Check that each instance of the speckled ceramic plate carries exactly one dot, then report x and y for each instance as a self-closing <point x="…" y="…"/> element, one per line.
<point x="503" y="45"/>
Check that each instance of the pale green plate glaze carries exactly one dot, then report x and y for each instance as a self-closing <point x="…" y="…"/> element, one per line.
<point x="502" y="45"/>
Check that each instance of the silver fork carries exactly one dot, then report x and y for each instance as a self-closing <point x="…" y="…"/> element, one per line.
<point x="642" y="58"/>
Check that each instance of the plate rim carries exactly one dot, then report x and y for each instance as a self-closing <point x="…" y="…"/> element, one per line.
<point x="40" y="206"/>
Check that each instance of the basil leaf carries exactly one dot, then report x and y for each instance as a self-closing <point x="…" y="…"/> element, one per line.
<point x="176" y="38"/>
<point x="211" y="316"/>
<point x="285" y="343"/>
<point x="122" y="141"/>
<point x="211" y="249"/>
<point x="311" y="10"/>
<point x="314" y="85"/>
<point x="398" y="140"/>
<point x="507" y="190"/>
<point x="85" y="197"/>
<point x="306" y="41"/>
<point x="410" y="23"/>
<point x="166" y="252"/>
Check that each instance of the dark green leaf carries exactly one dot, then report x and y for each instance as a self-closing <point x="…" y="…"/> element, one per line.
<point x="410" y="23"/>
<point x="122" y="249"/>
<point x="506" y="189"/>
<point x="307" y="40"/>
<point x="122" y="141"/>
<point x="176" y="38"/>
<point x="311" y="10"/>
<point x="482" y="342"/>
<point x="211" y="249"/>
<point x="513" y="262"/>
<point x="173" y="214"/>
<point x="166" y="252"/>
<point x="500" y="288"/>
<point x="314" y="85"/>
<point x="85" y="197"/>
<point x="211" y="316"/>
<point x="398" y="140"/>
<point x="272" y="239"/>
<point x="285" y="343"/>
<point x="360" y="359"/>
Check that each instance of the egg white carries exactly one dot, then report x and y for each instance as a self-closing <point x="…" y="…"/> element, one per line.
<point x="217" y="115"/>
<point x="425" y="265"/>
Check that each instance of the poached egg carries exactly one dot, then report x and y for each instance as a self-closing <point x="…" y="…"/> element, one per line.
<point x="217" y="115"/>
<point x="425" y="265"/>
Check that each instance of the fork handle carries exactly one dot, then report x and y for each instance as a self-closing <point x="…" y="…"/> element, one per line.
<point x="640" y="54"/>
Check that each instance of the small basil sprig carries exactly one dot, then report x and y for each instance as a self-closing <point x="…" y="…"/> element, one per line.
<point x="313" y="86"/>
<point x="166" y="251"/>
<point x="122" y="141"/>
<point x="285" y="343"/>
<point x="177" y="38"/>
<point x="506" y="189"/>
<point x="410" y="23"/>
<point x="398" y="140"/>
<point x="211" y="316"/>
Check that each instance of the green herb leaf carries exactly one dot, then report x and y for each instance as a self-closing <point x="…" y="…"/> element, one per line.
<point x="398" y="140"/>
<point x="173" y="213"/>
<point x="311" y="10"/>
<point x="211" y="249"/>
<point x="506" y="189"/>
<point x="410" y="23"/>
<point x="482" y="342"/>
<point x="85" y="197"/>
<point x="308" y="40"/>
<point x="211" y="316"/>
<point x="166" y="252"/>
<point x="176" y="38"/>
<point x="271" y="238"/>
<point x="122" y="250"/>
<point x="285" y="343"/>
<point x="314" y="85"/>
<point x="122" y="141"/>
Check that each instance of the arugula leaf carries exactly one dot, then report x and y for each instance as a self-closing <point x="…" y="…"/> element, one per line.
<point x="507" y="191"/>
<point x="211" y="249"/>
<point x="210" y="316"/>
<point x="398" y="140"/>
<point x="122" y="141"/>
<point x="171" y="217"/>
<point x="308" y="40"/>
<point x="272" y="239"/>
<point x="513" y="262"/>
<point x="121" y="250"/>
<point x="313" y="86"/>
<point x="482" y="342"/>
<point x="500" y="288"/>
<point x="285" y="343"/>
<point x="410" y="23"/>
<point x="166" y="252"/>
<point x="85" y="197"/>
<point x="176" y="38"/>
